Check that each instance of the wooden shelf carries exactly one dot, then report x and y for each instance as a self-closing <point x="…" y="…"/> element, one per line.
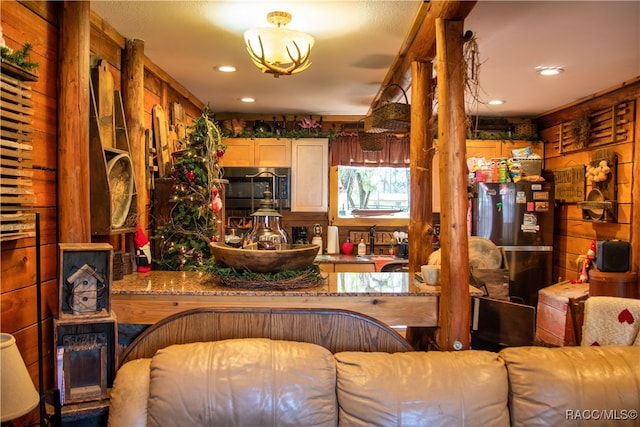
<point x="18" y="72"/>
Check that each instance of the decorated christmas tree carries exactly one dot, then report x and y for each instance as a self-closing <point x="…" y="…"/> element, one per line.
<point x="195" y="219"/>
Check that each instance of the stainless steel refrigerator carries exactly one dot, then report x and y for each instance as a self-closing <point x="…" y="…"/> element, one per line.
<point x="519" y="218"/>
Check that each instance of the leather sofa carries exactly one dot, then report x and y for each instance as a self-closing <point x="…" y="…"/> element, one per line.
<point x="269" y="382"/>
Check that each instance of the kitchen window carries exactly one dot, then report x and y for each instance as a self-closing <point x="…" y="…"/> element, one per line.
<point x="368" y="192"/>
<point x="369" y="186"/>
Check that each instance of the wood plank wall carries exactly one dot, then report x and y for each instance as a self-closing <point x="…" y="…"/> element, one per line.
<point x="573" y="234"/>
<point x="36" y="22"/>
<point x="18" y="314"/>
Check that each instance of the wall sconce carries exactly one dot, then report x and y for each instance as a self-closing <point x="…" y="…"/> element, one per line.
<point x="19" y="395"/>
<point x="278" y="50"/>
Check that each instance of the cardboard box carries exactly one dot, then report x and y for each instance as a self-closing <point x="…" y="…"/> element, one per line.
<point x="530" y="166"/>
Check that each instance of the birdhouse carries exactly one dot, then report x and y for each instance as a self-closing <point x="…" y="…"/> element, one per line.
<point x="86" y="271"/>
<point x="85" y="283"/>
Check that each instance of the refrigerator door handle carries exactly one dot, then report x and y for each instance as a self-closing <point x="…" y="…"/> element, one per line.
<point x="527" y="248"/>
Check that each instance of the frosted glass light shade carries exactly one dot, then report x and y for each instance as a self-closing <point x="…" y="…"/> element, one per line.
<point x="279" y="50"/>
<point x="19" y="395"/>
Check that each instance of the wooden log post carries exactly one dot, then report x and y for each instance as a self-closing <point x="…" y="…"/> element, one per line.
<point x="421" y="155"/>
<point x="133" y="100"/>
<point x="74" y="192"/>
<point x="454" y="304"/>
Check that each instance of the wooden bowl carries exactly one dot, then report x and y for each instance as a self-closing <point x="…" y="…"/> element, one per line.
<point x="286" y="257"/>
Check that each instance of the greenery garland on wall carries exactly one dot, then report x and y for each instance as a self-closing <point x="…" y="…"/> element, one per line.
<point x="19" y="57"/>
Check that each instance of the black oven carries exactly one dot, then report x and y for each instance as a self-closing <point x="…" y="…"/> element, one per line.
<point x="247" y="185"/>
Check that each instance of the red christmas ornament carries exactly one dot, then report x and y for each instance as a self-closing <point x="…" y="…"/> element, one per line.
<point x="190" y="176"/>
<point x="219" y="153"/>
<point x="214" y="192"/>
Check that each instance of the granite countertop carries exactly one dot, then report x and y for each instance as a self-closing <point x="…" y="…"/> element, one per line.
<point x="336" y="284"/>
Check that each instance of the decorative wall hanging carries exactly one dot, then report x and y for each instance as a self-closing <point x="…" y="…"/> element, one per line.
<point x="613" y="125"/>
<point x="601" y="201"/>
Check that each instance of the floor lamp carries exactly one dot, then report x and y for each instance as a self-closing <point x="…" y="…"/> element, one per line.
<point x="51" y="396"/>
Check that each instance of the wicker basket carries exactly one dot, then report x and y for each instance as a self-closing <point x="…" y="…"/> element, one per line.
<point x="391" y="116"/>
<point x="372" y="141"/>
<point x="526" y="129"/>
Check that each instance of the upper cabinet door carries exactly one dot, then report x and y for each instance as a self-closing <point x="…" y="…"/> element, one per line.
<point x="259" y="152"/>
<point x="240" y="152"/>
<point x="309" y="175"/>
<point x="271" y="152"/>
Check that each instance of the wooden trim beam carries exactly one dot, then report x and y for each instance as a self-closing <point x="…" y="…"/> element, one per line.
<point x="419" y="44"/>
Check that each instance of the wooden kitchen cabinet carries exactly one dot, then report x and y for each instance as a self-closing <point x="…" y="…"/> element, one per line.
<point x="356" y="267"/>
<point x="491" y="148"/>
<point x="310" y="175"/>
<point x="346" y="267"/>
<point x="259" y="152"/>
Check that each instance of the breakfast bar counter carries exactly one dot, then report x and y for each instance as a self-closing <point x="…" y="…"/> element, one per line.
<point x="394" y="298"/>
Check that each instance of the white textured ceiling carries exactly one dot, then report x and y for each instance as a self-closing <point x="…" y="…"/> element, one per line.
<point x="597" y="42"/>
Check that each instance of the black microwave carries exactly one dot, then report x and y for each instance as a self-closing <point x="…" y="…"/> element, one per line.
<point x="247" y="185"/>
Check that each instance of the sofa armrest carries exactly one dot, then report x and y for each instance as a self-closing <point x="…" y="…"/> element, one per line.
<point x="129" y="394"/>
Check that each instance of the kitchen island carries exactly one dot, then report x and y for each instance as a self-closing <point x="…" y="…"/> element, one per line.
<point x="393" y="298"/>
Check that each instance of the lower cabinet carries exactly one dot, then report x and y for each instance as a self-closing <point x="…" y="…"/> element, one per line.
<point x="356" y="267"/>
<point x="347" y="267"/>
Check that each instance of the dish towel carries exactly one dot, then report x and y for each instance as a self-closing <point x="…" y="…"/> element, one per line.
<point x="380" y="262"/>
<point x="611" y="321"/>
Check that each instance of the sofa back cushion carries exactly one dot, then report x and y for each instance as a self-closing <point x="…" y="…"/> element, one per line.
<point x="573" y="385"/>
<point x="243" y="382"/>
<point x="466" y="388"/>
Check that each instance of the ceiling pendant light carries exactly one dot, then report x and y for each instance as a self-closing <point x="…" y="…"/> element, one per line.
<point x="278" y="50"/>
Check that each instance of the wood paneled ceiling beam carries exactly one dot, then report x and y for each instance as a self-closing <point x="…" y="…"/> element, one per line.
<point x="419" y="45"/>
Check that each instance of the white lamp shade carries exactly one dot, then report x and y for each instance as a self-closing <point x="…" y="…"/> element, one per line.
<point x="19" y="396"/>
<point x="276" y="42"/>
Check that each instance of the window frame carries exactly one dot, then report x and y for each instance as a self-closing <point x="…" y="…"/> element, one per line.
<point x="355" y="222"/>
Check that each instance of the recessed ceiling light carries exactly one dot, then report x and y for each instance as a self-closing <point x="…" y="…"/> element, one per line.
<point x="247" y="99"/>
<point x="225" y="68"/>
<point x="496" y="102"/>
<point x="549" y="71"/>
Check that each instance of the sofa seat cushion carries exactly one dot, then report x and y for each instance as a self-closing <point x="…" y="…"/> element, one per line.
<point x="572" y="385"/>
<point x="243" y="382"/>
<point x="467" y="388"/>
